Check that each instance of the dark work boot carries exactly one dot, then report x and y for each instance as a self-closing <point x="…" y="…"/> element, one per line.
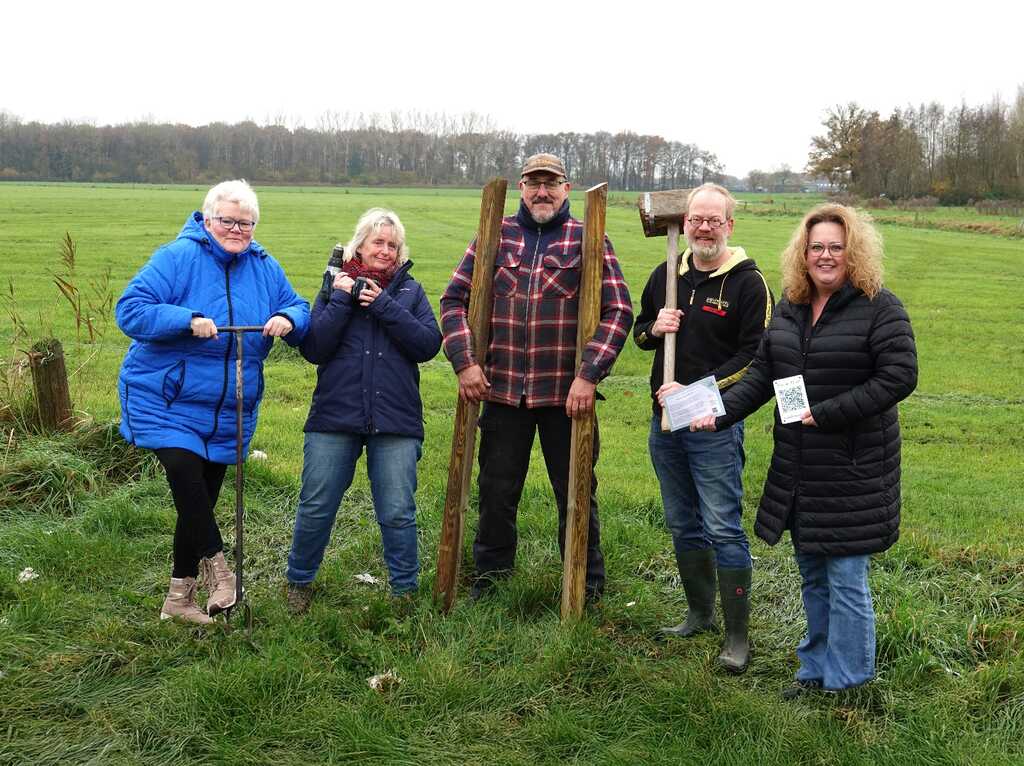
<point x="734" y="585"/>
<point x="697" y="572"/>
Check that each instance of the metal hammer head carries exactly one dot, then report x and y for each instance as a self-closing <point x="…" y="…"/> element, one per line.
<point x="659" y="209"/>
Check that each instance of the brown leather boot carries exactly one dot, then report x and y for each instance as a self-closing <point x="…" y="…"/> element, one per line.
<point x="181" y="602"/>
<point x="219" y="582"/>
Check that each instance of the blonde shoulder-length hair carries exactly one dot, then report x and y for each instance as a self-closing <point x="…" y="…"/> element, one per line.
<point x="372" y="221"/>
<point x="863" y="252"/>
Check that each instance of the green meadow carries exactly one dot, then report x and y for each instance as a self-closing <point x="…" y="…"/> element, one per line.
<point x="89" y="674"/>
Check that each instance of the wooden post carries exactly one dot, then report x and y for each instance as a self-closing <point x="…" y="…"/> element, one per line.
<point x="581" y="454"/>
<point x="50" y="383"/>
<point x="460" y="468"/>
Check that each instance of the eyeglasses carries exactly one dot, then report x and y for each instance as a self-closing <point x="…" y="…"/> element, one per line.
<point x="696" y="221"/>
<point x="817" y="249"/>
<point x="230" y="223"/>
<point x="533" y="184"/>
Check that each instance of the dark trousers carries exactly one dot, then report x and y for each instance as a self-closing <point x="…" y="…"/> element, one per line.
<point x="195" y="484"/>
<point x="506" y="438"/>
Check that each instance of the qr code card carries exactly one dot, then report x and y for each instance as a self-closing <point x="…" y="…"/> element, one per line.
<point x="792" y="398"/>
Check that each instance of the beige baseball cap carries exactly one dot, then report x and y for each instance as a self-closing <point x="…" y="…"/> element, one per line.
<point x="543" y="163"/>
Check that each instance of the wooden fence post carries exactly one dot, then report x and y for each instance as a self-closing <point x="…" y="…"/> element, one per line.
<point x="50" y="384"/>
<point x="460" y="468"/>
<point x="581" y="469"/>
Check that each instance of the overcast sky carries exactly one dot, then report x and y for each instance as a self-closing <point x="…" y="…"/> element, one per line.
<point x="749" y="81"/>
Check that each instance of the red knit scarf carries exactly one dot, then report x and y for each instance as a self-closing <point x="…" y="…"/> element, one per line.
<point x="354" y="268"/>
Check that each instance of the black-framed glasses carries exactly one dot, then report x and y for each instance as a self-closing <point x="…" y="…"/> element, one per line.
<point x="696" y="221"/>
<point x="835" y="249"/>
<point x="533" y="184"/>
<point x="230" y="223"/>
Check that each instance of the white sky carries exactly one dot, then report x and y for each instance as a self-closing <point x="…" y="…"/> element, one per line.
<point x="749" y="81"/>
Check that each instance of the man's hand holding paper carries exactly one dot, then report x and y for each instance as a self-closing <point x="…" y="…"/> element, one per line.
<point x="685" y="404"/>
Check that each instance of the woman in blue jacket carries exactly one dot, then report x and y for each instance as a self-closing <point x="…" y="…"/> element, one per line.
<point x="177" y="382"/>
<point x="371" y="326"/>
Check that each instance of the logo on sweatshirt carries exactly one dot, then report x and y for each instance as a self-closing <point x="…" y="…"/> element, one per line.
<point x="715" y="306"/>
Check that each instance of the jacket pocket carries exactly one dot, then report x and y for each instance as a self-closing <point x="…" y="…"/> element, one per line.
<point x="851" y="446"/>
<point x="561" y="276"/>
<point x="260" y="383"/>
<point x="174" y="381"/>
<point x="506" y="273"/>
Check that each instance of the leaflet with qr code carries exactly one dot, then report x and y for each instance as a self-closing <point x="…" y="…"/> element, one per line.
<point x="791" y="396"/>
<point x="697" y="400"/>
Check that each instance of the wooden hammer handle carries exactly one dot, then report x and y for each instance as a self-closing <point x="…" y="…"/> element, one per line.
<point x="671" y="300"/>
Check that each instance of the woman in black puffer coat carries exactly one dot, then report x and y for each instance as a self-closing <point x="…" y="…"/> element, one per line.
<point x="834" y="480"/>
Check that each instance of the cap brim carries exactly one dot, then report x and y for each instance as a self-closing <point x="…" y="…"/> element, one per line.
<point x="553" y="171"/>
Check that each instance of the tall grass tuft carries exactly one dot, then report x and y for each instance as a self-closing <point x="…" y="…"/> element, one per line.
<point x="55" y="473"/>
<point x="91" y="307"/>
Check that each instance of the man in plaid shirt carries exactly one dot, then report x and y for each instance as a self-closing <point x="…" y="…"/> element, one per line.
<point x="529" y="381"/>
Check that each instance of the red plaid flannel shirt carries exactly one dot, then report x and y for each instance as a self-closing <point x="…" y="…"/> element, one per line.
<point x="532" y="349"/>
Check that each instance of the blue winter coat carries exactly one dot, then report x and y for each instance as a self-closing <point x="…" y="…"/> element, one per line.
<point x="368" y="381"/>
<point x="178" y="390"/>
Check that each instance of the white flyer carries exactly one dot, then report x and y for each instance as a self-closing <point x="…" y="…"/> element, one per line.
<point x="791" y="397"/>
<point x="697" y="400"/>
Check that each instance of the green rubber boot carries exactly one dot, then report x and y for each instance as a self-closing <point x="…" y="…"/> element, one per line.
<point x="734" y="585"/>
<point x="697" y="572"/>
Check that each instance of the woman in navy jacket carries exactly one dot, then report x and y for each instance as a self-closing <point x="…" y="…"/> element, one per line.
<point x="371" y="326"/>
<point x="177" y="383"/>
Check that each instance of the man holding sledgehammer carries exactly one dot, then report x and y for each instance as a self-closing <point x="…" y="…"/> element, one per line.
<point x="529" y="382"/>
<point x="726" y="306"/>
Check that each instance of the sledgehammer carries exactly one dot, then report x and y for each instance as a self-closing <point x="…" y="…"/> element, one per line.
<point x="661" y="213"/>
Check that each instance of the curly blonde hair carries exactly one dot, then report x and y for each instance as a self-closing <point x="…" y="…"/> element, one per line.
<point x="863" y="252"/>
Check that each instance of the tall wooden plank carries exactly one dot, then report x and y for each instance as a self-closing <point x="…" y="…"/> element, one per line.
<point x="460" y="467"/>
<point x="574" y="568"/>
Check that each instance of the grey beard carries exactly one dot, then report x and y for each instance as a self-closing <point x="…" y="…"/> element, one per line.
<point x="707" y="254"/>
<point x="542" y="218"/>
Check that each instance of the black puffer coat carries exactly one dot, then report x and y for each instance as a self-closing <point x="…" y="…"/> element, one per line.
<point x="835" y="486"/>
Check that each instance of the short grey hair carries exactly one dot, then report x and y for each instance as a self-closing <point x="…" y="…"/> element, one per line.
<point x="372" y="221"/>
<point x="237" y="191"/>
<point x="730" y="201"/>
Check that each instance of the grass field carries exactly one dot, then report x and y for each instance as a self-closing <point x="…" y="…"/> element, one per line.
<point x="88" y="674"/>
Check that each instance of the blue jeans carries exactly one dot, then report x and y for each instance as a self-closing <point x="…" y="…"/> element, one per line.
<point x="839" y="649"/>
<point x="329" y="462"/>
<point x="701" y="477"/>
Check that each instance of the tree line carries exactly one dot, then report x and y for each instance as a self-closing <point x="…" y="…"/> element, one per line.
<point x="399" y="149"/>
<point x="955" y="154"/>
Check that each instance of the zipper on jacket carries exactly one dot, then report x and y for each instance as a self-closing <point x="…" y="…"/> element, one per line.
<point x="805" y="341"/>
<point x="371" y="390"/>
<point x="530" y="305"/>
<point x="227" y="360"/>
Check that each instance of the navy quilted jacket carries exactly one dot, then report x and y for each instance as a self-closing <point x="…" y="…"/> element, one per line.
<point x="368" y="379"/>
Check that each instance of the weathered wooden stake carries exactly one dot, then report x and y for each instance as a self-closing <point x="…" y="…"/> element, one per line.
<point x="50" y="383"/>
<point x="581" y="469"/>
<point x="460" y="469"/>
